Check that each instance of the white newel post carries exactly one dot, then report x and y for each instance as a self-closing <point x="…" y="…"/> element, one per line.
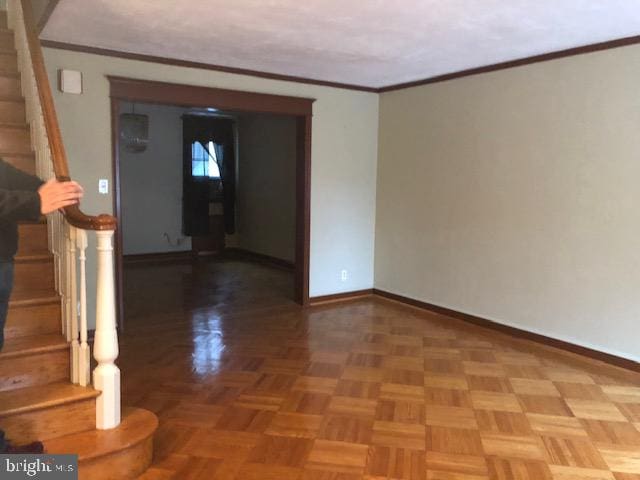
<point x="106" y="376"/>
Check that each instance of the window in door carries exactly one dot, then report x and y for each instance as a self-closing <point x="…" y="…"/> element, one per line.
<point x="204" y="163"/>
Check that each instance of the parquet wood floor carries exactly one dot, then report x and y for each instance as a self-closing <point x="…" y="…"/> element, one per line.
<point x="254" y="387"/>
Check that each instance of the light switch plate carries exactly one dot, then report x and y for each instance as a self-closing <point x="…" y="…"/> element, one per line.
<point x="103" y="186"/>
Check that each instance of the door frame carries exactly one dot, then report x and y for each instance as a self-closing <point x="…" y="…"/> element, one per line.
<point x="146" y="91"/>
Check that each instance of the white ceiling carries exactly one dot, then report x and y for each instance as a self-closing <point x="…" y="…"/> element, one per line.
<point x="371" y="43"/>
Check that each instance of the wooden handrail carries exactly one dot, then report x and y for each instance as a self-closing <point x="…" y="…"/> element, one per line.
<point x="73" y="214"/>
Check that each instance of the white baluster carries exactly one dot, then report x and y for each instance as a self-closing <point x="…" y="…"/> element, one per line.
<point x="73" y="307"/>
<point x="106" y="376"/>
<point x="84" y="360"/>
<point x="68" y="309"/>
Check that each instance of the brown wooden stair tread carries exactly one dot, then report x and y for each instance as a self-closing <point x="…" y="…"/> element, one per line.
<point x="33" y="297"/>
<point x="34" y="258"/>
<point x="19" y="346"/>
<point x="13" y="125"/>
<point x="10" y="98"/>
<point x="137" y="425"/>
<point x="42" y="396"/>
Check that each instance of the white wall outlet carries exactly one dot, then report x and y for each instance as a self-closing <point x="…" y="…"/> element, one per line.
<point x="103" y="186"/>
<point x="344" y="275"/>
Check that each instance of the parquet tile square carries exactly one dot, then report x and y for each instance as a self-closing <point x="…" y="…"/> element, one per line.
<point x="245" y="420"/>
<point x="452" y="466"/>
<point x="404" y="377"/>
<point x="630" y="410"/>
<point x="306" y="402"/>
<point x="451" y="382"/>
<point x="358" y="407"/>
<point x="545" y="405"/>
<point x="356" y="389"/>
<point x="219" y="443"/>
<point x="483" y="369"/>
<point x="315" y="384"/>
<point x="525" y="386"/>
<point x="594" y="410"/>
<point x="365" y="360"/>
<point x="626" y="476"/>
<point x="582" y="391"/>
<point x="370" y="390"/>
<point x="512" y="446"/>
<point x="441" y="396"/>
<point x="338" y="457"/>
<point x="453" y="440"/>
<point x="504" y="402"/>
<point x="518" y="469"/>
<point x="560" y="472"/>
<point x="525" y="371"/>
<point x="621" y="459"/>
<point x="573" y="452"/>
<point x="277" y="450"/>
<point x="517" y="358"/>
<point x="194" y="414"/>
<point x="259" y="402"/>
<point x="295" y="425"/>
<point x="346" y="429"/>
<point x="396" y="463"/>
<point x="401" y="393"/>
<point x="400" y="411"/>
<point x="622" y="394"/>
<point x="568" y="376"/>
<point x="363" y="374"/>
<point x="323" y="369"/>
<point x="400" y="435"/>
<point x="261" y="471"/>
<point x="455" y="417"/>
<point x="441" y="366"/>
<point x="489" y="384"/>
<point x="615" y="433"/>
<point x="556" y="426"/>
<point x="503" y="422"/>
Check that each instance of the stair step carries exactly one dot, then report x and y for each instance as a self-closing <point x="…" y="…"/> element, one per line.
<point x="12" y="109"/>
<point x="8" y="62"/>
<point x="33" y="238"/>
<point x="47" y="411"/>
<point x="7" y="39"/>
<point x="33" y="272"/>
<point x="122" y="452"/>
<point x="33" y="360"/>
<point x="26" y="163"/>
<point x="10" y="86"/>
<point x="15" y="138"/>
<point x="34" y="316"/>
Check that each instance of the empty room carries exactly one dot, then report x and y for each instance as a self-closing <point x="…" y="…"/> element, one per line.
<point x="321" y="240"/>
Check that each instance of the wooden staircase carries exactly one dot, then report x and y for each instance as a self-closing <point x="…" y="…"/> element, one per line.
<point x="37" y="399"/>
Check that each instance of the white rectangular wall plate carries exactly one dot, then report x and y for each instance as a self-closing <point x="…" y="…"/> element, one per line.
<point x="70" y="81"/>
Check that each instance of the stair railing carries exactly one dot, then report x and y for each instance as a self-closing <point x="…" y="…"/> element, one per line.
<point x="68" y="231"/>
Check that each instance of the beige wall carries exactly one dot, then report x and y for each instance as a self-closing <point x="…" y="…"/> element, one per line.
<point x="344" y="154"/>
<point x="151" y="185"/>
<point x="266" y="189"/>
<point x="514" y="196"/>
